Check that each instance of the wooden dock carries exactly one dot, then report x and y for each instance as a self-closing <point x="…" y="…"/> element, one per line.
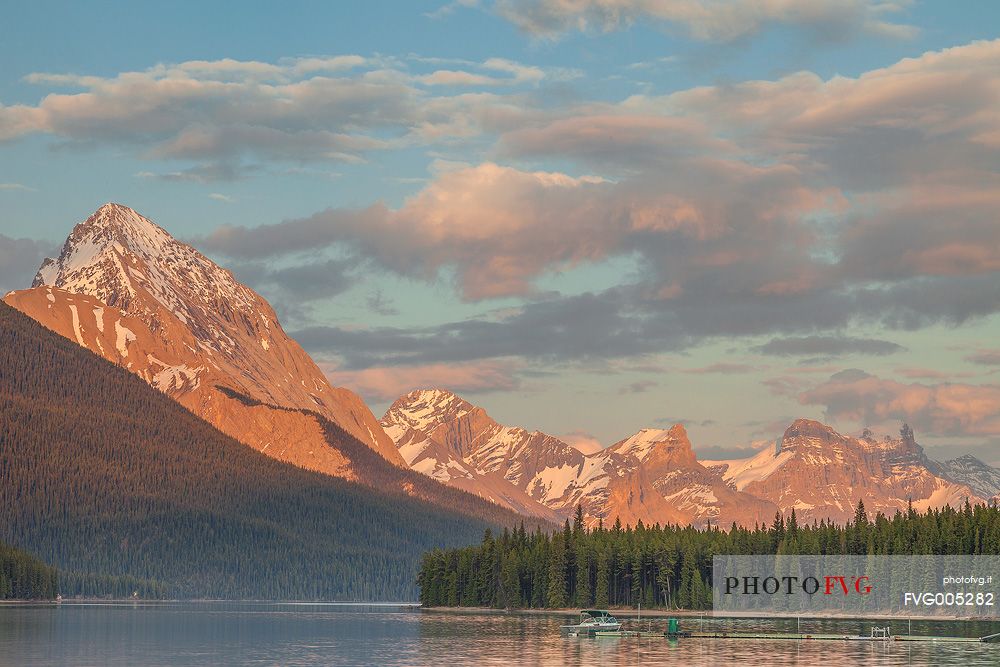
<point x="806" y="636"/>
<point x="797" y="636"/>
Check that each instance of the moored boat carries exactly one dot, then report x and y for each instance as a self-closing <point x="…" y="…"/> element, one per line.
<point x="591" y="622"/>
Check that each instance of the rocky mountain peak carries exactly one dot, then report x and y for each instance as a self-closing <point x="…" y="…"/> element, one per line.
<point x="654" y="441"/>
<point x="192" y="318"/>
<point x="131" y="263"/>
<point x="808" y="429"/>
<point x="425" y="409"/>
<point x="981" y="477"/>
<point x="679" y="433"/>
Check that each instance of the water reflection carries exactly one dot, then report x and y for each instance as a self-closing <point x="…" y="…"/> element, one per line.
<point x="184" y="634"/>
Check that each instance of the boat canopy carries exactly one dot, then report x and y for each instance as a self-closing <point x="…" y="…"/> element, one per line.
<point x="595" y="613"/>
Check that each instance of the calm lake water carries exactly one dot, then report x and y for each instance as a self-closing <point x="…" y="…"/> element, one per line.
<point x="142" y="635"/>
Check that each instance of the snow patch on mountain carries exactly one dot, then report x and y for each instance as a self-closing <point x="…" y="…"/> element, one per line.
<point x="76" y="324"/>
<point x="124" y="336"/>
<point x="642" y="443"/>
<point x="198" y="311"/>
<point x="981" y="477"/>
<point x="741" y="472"/>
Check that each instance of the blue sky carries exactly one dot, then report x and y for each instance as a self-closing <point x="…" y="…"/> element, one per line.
<point x="587" y="216"/>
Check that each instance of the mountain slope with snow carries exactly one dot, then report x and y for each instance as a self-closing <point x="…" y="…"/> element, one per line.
<point x="822" y="474"/>
<point x="127" y="290"/>
<point x="667" y="460"/>
<point x="983" y="479"/>
<point x="652" y="476"/>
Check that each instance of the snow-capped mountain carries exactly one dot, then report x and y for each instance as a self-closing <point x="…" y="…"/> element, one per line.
<point x="655" y="476"/>
<point x="666" y="459"/>
<point x="457" y="443"/>
<point x="128" y="291"/>
<point x="652" y="476"/>
<point x="431" y="458"/>
<point x="983" y="479"/>
<point x="822" y="474"/>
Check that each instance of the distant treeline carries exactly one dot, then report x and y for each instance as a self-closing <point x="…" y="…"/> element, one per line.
<point x="24" y="577"/>
<point x="124" y="491"/>
<point x="671" y="566"/>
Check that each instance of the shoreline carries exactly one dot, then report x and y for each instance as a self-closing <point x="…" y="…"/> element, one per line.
<point x="629" y="614"/>
<point x="151" y="601"/>
<point x="624" y="614"/>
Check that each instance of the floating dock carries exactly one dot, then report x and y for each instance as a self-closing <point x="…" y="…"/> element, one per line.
<point x="673" y="631"/>
<point x="878" y="635"/>
<point x="805" y="636"/>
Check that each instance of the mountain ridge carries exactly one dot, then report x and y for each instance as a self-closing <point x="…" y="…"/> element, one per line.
<point x="101" y="474"/>
<point x="655" y="476"/>
<point x="131" y="293"/>
<point x="127" y="290"/>
<point x="652" y="476"/>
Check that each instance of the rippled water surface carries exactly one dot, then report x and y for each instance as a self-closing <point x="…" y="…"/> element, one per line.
<point x="140" y="635"/>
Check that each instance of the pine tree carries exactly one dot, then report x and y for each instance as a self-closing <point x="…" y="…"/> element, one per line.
<point x="666" y="565"/>
<point x="510" y="584"/>
<point x="603" y="570"/>
<point x="583" y="593"/>
<point x="556" y="597"/>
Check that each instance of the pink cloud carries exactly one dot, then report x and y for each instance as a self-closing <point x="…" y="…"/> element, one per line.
<point x="987" y="357"/>
<point x="584" y="442"/>
<point x="707" y="21"/>
<point x="918" y="373"/>
<point x="388" y="383"/>
<point x="948" y="409"/>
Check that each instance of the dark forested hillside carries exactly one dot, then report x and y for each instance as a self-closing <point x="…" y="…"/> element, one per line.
<point x="24" y="577"/>
<point x="672" y="566"/>
<point x="374" y="471"/>
<point x="111" y="481"/>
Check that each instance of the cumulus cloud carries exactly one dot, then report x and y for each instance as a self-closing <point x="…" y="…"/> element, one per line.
<point x="588" y="326"/>
<point x="616" y="323"/>
<point x="582" y="441"/>
<point x="226" y="114"/>
<point x="500" y="228"/>
<point x="301" y="282"/>
<point x="826" y="346"/>
<point x="450" y="8"/>
<point x="624" y="139"/>
<point x="943" y="409"/>
<point x="512" y="73"/>
<point x="790" y="208"/>
<point x="906" y="237"/>
<point x="707" y="20"/>
<point x="988" y="357"/>
<point x="384" y="384"/>
<point x="497" y="226"/>
<point x="918" y="373"/>
<point x="889" y="127"/>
